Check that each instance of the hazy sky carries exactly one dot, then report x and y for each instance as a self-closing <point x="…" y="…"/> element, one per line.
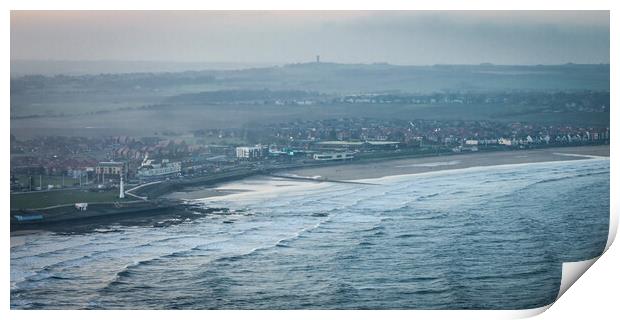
<point x="398" y="37"/>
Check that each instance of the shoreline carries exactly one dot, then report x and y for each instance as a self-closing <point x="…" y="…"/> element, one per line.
<point x="367" y="168"/>
<point x="394" y="167"/>
<point x="247" y="186"/>
<point x="370" y="172"/>
<point x="389" y="178"/>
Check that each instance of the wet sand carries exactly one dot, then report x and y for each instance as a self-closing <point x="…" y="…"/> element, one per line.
<point x="253" y="185"/>
<point x="202" y="192"/>
<point x="384" y="168"/>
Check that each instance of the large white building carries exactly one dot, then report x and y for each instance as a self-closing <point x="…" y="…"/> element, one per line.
<point x="250" y="152"/>
<point x="151" y="169"/>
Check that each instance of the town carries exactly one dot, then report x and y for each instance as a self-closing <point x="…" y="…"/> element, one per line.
<point x="97" y="164"/>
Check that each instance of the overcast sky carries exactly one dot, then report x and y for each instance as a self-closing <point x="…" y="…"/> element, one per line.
<point x="397" y="37"/>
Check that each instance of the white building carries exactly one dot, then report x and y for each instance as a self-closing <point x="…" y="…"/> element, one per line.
<point x="151" y="169"/>
<point x="529" y="139"/>
<point x="333" y="156"/>
<point x="471" y="142"/>
<point x="249" y="152"/>
<point x="506" y="142"/>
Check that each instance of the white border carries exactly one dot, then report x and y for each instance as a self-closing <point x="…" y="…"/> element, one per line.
<point x="311" y="5"/>
<point x="587" y="299"/>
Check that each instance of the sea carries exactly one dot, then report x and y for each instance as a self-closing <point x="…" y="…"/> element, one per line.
<point x="477" y="238"/>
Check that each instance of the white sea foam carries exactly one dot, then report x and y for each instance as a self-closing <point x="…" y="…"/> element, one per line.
<point x="580" y="155"/>
<point x="252" y="189"/>
<point x="431" y="164"/>
<point x="395" y="178"/>
<point x="355" y="235"/>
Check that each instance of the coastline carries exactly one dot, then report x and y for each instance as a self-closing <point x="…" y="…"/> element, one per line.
<point x="251" y="186"/>
<point x="261" y="185"/>
<point x="394" y="167"/>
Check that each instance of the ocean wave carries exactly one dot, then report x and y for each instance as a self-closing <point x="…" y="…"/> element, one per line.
<point x="511" y="275"/>
<point x="341" y="290"/>
<point x="299" y="234"/>
<point x="189" y="251"/>
<point x="52" y="270"/>
<point x="378" y="241"/>
<point x="28" y="255"/>
<point x="118" y="278"/>
<point x="320" y="214"/>
<point x="497" y="170"/>
<point x="457" y="192"/>
<point x="581" y="175"/>
<point x="429" y="215"/>
<point x="510" y="195"/>
<point x="179" y="253"/>
<point x="430" y="291"/>
<point x="281" y="243"/>
<point x="375" y="228"/>
<point x="127" y="270"/>
<point x="422" y="198"/>
<point x="366" y="244"/>
<point x="408" y="235"/>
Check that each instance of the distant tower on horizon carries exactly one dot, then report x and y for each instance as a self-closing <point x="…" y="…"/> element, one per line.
<point x="318" y="58"/>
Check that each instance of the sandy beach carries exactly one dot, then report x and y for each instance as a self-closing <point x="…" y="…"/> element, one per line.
<point x="356" y="171"/>
<point x="261" y="185"/>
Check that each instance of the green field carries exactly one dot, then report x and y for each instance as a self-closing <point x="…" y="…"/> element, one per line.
<point x="47" y="180"/>
<point x="51" y="198"/>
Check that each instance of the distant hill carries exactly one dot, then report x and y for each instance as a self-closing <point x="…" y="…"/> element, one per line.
<point x="70" y="94"/>
<point x="330" y="77"/>
<point x="21" y="67"/>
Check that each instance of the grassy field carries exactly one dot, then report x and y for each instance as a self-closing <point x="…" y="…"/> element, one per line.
<point x="46" y="199"/>
<point x="47" y="180"/>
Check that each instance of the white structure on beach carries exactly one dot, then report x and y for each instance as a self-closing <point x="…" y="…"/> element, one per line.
<point x="333" y="156"/>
